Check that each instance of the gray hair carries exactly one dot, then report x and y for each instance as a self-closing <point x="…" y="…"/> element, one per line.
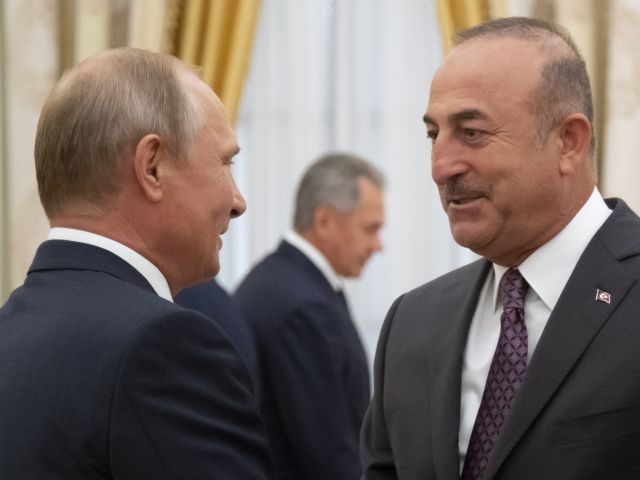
<point x="332" y="180"/>
<point x="95" y="117"/>
<point x="564" y="87"/>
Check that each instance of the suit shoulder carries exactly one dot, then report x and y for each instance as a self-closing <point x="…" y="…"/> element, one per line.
<point x="94" y="304"/>
<point x="276" y="287"/>
<point x="275" y="266"/>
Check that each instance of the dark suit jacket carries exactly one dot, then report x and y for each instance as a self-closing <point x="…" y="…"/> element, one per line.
<point x="577" y="414"/>
<point x="212" y="300"/>
<point x="101" y="378"/>
<point x="313" y="369"/>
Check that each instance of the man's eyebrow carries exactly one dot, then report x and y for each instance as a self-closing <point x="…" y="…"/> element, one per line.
<point x="428" y="120"/>
<point x="467" y="114"/>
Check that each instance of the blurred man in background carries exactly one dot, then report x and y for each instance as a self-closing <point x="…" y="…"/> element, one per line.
<point x="313" y="371"/>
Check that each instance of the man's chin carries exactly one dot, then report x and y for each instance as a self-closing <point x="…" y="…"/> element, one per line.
<point x="214" y="271"/>
<point x="354" y="272"/>
<point x="471" y="238"/>
<point x="209" y="273"/>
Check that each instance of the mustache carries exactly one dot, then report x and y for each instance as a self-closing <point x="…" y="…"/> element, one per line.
<point x="458" y="188"/>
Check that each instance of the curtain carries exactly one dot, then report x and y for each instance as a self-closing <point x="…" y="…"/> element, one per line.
<point x="455" y="15"/>
<point x="30" y="66"/>
<point x="42" y="38"/>
<point x="152" y="24"/>
<point x="217" y="36"/>
<point x="86" y="28"/>
<point x="350" y="76"/>
<point x="4" y="219"/>
<point x="620" y="172"/>
<point x="83" y="31"/>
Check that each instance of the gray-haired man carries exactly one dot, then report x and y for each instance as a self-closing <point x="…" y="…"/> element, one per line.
<point x="314" y="382"/>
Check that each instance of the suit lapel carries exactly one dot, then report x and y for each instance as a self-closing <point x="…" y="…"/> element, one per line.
<point x="574" y="322"/>
<point x="446" y="347"/>
<point x="295" y="256"/>
<point x="316" y="277"/>
<point x="337" y="299"/>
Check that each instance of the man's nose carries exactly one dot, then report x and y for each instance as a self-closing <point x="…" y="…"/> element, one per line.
<point x="447" y="160"/>
<point x="377" y="243"/>
<point x="239" y="204"/>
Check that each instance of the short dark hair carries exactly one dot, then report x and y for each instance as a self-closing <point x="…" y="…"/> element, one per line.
<point x="564" y="86"/>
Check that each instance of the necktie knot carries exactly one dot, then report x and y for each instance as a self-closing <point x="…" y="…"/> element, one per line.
<point x="513" y="288"/>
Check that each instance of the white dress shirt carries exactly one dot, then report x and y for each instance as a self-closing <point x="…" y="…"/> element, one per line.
<point x="316" y="257"/>
<point x="547" y="271"/>
<point x="147" y="269"/>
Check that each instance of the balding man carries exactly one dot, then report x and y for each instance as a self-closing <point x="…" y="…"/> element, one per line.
<point x="522" y="365"/>
<point x="101" y="375"/>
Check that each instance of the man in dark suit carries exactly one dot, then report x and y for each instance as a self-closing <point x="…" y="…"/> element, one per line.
<point x="213" y="300"/>
<point x="522" y="365"/>
<point x="101" y="375"/>
<point x="314" y="379"/>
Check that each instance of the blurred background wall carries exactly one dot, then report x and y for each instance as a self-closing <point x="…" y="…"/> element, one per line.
<point x="302" y="77"/>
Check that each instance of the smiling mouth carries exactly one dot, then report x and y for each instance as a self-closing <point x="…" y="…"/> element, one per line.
<point x="463" y="201"/>
<point x="458" y="193"/>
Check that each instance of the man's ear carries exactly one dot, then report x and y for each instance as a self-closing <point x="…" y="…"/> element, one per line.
<point x="148" y="161"/>
<point x="575" y="142"/>
<point x="323" y="220"/>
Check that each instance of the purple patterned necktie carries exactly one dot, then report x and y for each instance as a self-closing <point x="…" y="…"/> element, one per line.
<point x="505" y="376"/>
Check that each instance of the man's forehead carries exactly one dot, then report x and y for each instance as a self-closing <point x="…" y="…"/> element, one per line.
<point x="483" y="72"/>
<point x="492" y="42"/>
<point x="490" y="54"/>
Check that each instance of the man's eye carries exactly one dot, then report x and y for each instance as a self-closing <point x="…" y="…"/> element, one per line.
<point x="470" y="133"/>
<point x="473" y="136"/>
<point x="432" y="135"/>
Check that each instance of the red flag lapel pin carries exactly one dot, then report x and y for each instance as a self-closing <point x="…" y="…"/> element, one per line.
<point x="603" y="296"/>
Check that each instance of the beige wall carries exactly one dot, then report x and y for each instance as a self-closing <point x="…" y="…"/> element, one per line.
<point x="32" y="60"/>
<point x="621" y="169"/>
<point x="3" y="176"/>
<point x="30" y="69"/>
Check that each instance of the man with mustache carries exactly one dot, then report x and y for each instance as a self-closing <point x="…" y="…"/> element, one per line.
<point x="101" y="374"/>
<point x="522" y="365"/>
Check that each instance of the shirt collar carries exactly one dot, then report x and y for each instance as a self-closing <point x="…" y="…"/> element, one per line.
<point x="316" y="257"/>
<point x="147" y="269"/>
<point x="560" y="254"/>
